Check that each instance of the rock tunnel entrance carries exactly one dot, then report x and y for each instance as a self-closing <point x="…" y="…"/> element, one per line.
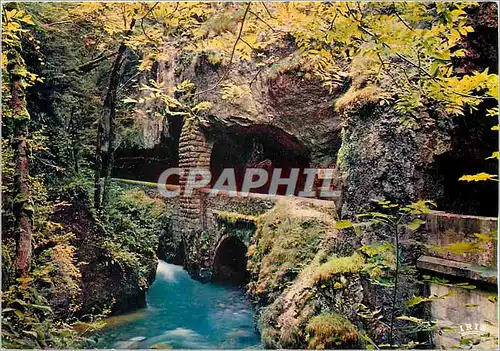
<point x="259" y="146"/>
<point x="146" y="164"/>
<point x="230" y="262"/>
<point x="472" y="142"/>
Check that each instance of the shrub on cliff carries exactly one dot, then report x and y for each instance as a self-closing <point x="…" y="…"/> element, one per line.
<point x="132" y="224"/>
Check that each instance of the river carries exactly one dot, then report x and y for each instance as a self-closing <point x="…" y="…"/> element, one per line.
<point x="184" y="313"/>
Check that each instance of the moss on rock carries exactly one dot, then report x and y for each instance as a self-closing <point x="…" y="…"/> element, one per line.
<point x="118" y="251"/>
<point x="287" y="281"/>
<point x="331" y="331"/>
<point x="338" y="265"/>
<point x="286" y="240"/>
<point x="234" y="217"/>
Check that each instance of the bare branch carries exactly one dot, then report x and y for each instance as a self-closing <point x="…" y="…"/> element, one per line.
<point x="420" y="69"/>
<point x="255" y="77"/>
<point x="147" y="14"/>
<point x="267" y="10"/>
<point x="247" y="44"/>
<point x="5" y="15"/>
<point x="260" y="19"/>
<point x="128" y="80"/>
<point x="142" y="21"/>
<point x="332" y="23"/>
<point x="90" y="65"/>
<point x="399" y="17"/>
<point x="388" y="71"/>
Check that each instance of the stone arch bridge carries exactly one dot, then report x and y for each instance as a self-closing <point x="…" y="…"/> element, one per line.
<point x="209" y="225"/>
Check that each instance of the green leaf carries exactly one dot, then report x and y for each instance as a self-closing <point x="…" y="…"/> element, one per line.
<point x="414" y="301"/>
<point x="130" y="101"/>
<point x="342" y="224"/>
<point x="418" y="299"/>
<point x="371" y="344"/>
<point x="466" y="286"/>
<point x="415" y="224"/>
<point x="375" y="215"/>
<point x="19" y="314"/>
<point x="34" y="306"/>
<point x="433" y="69"/>
<point x="493" y="298"/>
<point x="459" y="248"/>
<point x="409" y="319"/>
<point x="357" y="227"/>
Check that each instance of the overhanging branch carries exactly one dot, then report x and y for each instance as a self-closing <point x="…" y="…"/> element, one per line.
<point x="90" y="65"/>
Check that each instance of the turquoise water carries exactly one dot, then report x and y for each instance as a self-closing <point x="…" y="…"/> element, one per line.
<point x="184" y="313"/>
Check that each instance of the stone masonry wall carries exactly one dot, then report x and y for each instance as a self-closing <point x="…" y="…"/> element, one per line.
<point x="194" y="152"/>
<point x="471" y="314"/>
<point x="188" y="222"/>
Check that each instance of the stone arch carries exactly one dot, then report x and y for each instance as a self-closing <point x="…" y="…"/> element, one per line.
<point x="230" y="261"/>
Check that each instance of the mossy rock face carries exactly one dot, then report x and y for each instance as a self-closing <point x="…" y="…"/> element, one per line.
<point x="286" y="240"/>
<point x="338" y="286"/>
<point x="120" y="253"/>
<point x="331" y="331"/>
<point x="234" y="217"/>
<point x="294" y="273"/>
<point x="283" y="96"/>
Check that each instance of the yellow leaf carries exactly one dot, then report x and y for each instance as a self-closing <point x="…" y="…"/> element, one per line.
<point x="478" y="177"/>
<point x="484" y="237"/>
<point x="459" y="248"/>
<point x="493" y="155"/>
<point x="27" y="19"/>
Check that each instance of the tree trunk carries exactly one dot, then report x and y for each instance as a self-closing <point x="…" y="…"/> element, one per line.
<point x="106" y="133"/>
<point x="22" y="199"/>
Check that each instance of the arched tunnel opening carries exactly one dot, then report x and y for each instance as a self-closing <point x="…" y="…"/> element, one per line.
<point x="230" y="262"/>
<point x="146" y="164"/>
<point x="259" y="146"/>
<point x="473" y="142"/>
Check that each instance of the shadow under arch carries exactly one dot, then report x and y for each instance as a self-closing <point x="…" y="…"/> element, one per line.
<point x="230" y="261"/>
<point x="258" y="146"/>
